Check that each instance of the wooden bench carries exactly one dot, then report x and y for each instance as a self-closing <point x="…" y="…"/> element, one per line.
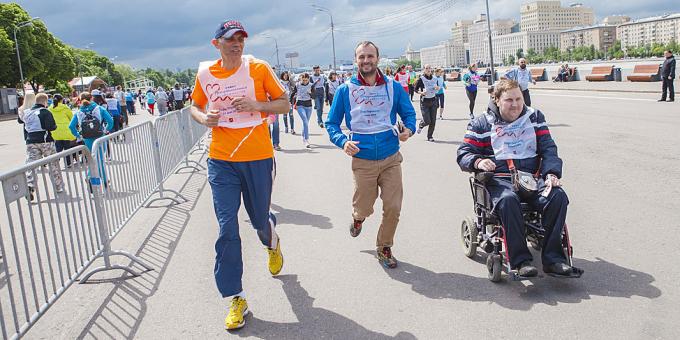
<point x="601" y="73"/>
<point x="649" y="72"/>
<point x="454" y="76"/>
<point x="538" y="74"/>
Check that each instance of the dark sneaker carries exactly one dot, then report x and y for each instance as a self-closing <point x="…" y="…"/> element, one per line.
<point x="355" y="228"/>
<point x="385" y="257"/>
<point x="557" y="268"/>
<point x="527" y="270"/>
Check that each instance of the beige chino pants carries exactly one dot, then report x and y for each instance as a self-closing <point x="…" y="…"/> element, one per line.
<point x="385" y="175"/>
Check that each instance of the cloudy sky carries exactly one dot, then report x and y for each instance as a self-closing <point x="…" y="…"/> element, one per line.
<point x="176" y="33"/>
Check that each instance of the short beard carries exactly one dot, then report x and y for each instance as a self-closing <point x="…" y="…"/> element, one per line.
<point x="364" y="75"/>
<point x="522" y="66"/>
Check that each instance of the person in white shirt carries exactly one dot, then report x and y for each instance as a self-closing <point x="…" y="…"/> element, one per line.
<point x="522" y="76"/>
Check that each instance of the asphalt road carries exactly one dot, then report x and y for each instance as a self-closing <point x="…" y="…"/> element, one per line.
<point x="621" y="173"/>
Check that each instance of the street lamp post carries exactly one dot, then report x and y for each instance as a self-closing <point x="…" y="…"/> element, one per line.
<point x="82" y="83"/>
<point x="276" y="42"/>
<point x="16" y="44"/>
<point x="488" y="26"/>
<point x="327" y="11"/>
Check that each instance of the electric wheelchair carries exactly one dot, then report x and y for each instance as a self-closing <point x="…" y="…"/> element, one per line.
<point x="485" y="231"/>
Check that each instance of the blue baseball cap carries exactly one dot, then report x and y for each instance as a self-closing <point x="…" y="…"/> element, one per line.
<point x="228" y="28"/>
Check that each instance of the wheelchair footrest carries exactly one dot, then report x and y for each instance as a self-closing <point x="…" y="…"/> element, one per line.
<point x="514" y="276"/>
<point x="574" y="274"/>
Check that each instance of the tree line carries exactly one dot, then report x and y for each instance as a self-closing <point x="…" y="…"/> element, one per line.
<point x="47" y="61"/>
<point x="584" y="53"/>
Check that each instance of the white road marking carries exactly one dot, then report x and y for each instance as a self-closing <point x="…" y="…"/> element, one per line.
<point x="548" y="93"/>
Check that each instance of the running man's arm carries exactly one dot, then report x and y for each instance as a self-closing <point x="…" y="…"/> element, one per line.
<point x="335" y="117"/>
<point x="405" y="108"/>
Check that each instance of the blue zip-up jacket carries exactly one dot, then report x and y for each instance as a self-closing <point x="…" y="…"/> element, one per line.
<point x="477" y="145"/>
<point x="106" y="119"/>
<point x="375" y="146"/>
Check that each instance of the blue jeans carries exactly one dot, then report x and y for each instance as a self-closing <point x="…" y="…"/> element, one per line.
<point x="275" y="131"/>
<point x="229" y="181"/>
<point x="292" y="119"/>
<point x="318" y="105"/>
<point x="305" y="113"/>
<point x="130" y="107"/>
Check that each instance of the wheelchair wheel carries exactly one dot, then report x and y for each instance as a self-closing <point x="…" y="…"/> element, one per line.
<point x="494" y="266"/>
<point x="468" y="234"/>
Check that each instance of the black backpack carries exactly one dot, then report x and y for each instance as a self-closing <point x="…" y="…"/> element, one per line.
<point x="90" y="126"/>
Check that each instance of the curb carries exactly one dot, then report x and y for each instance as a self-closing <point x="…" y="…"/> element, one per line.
<point x="594" y="90"/>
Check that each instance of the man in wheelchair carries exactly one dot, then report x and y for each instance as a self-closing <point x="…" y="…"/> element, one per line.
<point x="512" y="143"/>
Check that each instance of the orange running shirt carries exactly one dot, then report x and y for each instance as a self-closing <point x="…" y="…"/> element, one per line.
<point x="225" y="140"/>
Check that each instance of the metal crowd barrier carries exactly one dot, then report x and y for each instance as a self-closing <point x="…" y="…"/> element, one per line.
<point x="51" y="234"/>
<point x="45" y="242"/>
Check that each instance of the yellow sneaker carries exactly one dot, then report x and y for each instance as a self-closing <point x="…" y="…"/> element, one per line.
<point x="275" y="259"/>
<point x="237" y="313"/>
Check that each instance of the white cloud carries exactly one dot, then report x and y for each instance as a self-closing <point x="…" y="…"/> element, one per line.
<point x="177" y="33"/>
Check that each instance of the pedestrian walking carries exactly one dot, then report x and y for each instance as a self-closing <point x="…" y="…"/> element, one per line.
<point x="303" y="102"/>
<point x="63" y="138"/>
<point x="162" y="101"/>
<point x="403" y="78"/>
<point x="331" y="87"/>
<point x="522" y="76"/>
<point x="150" y="101"/>
<point x="38" y="123"/>
<point x="412" y="81"/>
<point x="178" y="97"/>
<point x="441" y="82"/>
<point x="288" y="84"/>
<point x="471" y="79"/>
<point x="668" y="77"/>
<point x="318" y="81"/>
<point x="427" y="87"/>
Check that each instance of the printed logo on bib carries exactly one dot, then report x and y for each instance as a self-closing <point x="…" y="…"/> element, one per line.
<point x="370" y="108"/>
<point x="516" y="140"/>
<point x="229" y="117"/>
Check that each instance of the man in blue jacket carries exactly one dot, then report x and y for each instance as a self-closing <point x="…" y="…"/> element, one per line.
<point x="512" y="136"/>
<point x="369" y="105"/>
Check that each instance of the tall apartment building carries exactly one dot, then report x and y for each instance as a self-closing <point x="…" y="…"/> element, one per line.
<point x="410" y="54"/>
<point x="602" y="37"/>
<point x="459" y="31"/>
<point x="661" y="29"/>
<point x="478" y="36"/>
<point x="551" y="16"/>
<point x="615" y="20"/>
<point x="447" y="53"/>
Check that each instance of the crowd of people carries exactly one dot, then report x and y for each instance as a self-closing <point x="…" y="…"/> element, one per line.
<point x="371" y="114"/>
<point x="53" y="123"/>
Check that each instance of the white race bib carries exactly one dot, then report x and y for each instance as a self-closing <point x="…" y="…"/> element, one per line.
<point x="221" y="92"/>
<point x="516" y="140"/>
<point x="371" y="107"/>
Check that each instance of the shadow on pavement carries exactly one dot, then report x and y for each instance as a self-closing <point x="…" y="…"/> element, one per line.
<point x="601" y="278"/>
<point x="313" y="322"/>
<point x="299" y="217"/>
<point x="453" y="142"/>
<point x="122" y="311"/>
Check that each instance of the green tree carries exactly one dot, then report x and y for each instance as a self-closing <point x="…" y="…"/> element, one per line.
<point x="519" y="53"/>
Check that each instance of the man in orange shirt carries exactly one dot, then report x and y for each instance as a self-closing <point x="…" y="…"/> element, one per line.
<point x="234" y="95"/>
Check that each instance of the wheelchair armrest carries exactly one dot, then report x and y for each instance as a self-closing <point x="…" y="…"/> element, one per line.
<point x="483" y="177"/>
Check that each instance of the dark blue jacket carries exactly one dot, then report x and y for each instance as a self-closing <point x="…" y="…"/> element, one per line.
<point x="477" y="144"/>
